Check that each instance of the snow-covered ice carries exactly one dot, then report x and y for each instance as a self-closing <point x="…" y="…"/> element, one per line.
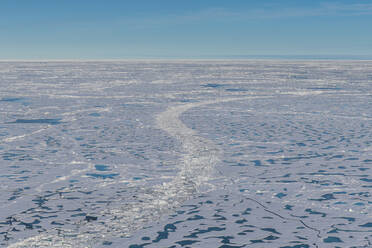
<point x="186" y="154"/>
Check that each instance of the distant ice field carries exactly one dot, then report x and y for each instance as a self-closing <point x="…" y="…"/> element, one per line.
<point x="186" y="154"/>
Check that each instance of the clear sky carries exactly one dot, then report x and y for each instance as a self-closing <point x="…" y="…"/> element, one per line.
<point x="104" y="29"/>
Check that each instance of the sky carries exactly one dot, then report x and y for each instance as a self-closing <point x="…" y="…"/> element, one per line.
<point x="122" y="29"/>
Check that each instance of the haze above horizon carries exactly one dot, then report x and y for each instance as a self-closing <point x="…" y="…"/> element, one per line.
<point x="114" y="29"/>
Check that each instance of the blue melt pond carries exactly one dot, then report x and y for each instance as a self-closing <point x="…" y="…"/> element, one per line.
<point x="213" y="85"/>
<point x="101" y="167"/>
<point x="95" y="114"/>
<point x="11" y="99"/>
<point x="280" y="195"/>
<point x="37" y="121"/>
<point x="102" y="176"/>
<point x="236" y="90"/>
<point x="332" y="240"/>
<point x="369" y="224"/>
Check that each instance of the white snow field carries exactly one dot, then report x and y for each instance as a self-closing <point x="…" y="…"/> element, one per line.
<point x="186" y="154"/>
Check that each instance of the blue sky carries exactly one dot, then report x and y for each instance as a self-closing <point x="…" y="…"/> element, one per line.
<point x="113" y="29"/>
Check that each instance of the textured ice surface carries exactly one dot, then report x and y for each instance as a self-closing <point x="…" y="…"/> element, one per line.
<point x="186" y="154"/>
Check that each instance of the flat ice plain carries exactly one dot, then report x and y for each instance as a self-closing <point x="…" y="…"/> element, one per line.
<point x="186" y="154"/>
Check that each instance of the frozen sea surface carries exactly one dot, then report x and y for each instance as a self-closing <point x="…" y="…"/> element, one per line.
<point x="186" y="154"/>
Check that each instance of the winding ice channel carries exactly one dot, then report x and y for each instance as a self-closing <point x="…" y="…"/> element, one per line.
<point x="196" y="168"/>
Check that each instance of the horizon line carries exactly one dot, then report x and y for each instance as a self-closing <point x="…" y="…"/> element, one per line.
<point x="205" y="57"/>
